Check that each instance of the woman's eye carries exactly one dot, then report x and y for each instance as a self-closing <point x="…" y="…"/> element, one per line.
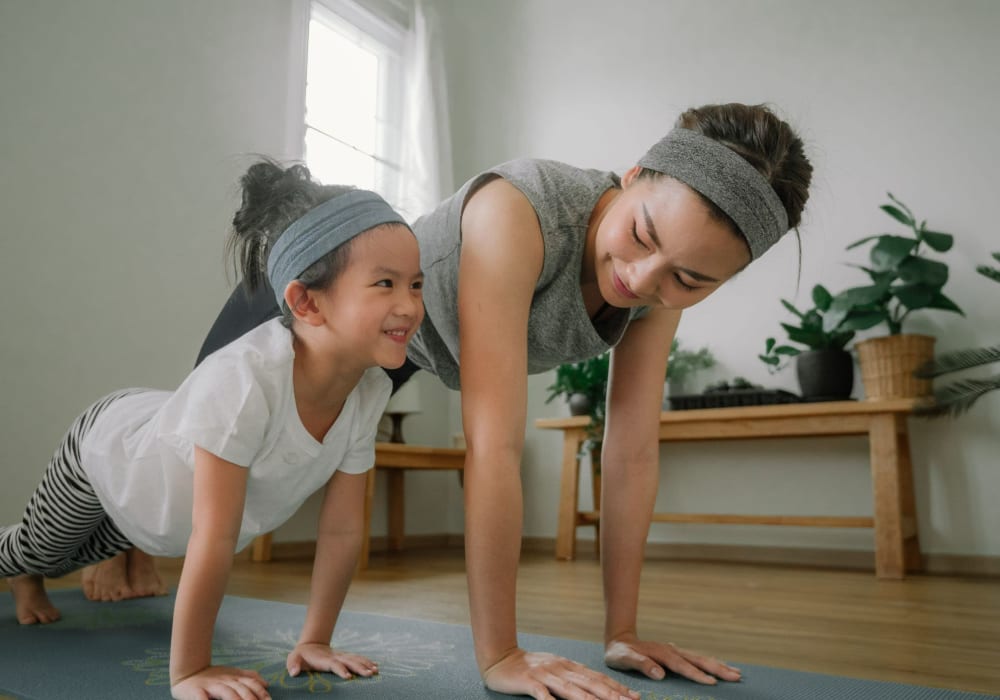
<point x="635" y="237"/>
<point x="684" y="284"/>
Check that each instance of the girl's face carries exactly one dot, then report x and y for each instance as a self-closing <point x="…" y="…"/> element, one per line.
<point x="376" y="304"/>
<point x="658" y="245"/>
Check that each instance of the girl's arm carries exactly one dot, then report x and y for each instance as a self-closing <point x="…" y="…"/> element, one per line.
<point x="219" y="495"/>
<point x="501" y="260"/>
<point x="630" y="462"/>
<point x="338" y="543"/>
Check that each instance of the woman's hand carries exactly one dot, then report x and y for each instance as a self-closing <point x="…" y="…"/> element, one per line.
<point x="547" y="676"/>
<point x="321" y="657"/>
<point x="632" y="654"/>
<point x="221" y="683"/>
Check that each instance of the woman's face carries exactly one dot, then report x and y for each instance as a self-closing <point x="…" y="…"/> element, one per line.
<point x="658" y="245"/>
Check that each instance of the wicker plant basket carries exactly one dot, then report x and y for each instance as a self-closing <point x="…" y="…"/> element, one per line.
<point x="887" y="365"/>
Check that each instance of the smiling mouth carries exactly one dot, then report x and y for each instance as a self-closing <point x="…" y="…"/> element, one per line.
<point x="621" y="288"/>
<point x="398" y="335"/>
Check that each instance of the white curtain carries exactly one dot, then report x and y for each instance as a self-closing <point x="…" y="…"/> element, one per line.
<point x="426" y="142"/>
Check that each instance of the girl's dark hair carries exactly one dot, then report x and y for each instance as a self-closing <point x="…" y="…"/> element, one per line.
<point x="273" y="197"/>
<point x="764" y="141"/>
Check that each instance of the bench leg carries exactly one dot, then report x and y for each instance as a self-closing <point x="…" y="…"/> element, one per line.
<point x="896" y="545"/>
<point x="367" y="526"/>
<point x="261" y="548"/>
<point x="397" y="508"/>
<point x="569" y="492"/>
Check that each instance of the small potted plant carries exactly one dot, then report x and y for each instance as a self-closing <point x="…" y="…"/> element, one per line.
<point x="682" y="364"/>
<point x="903" y="280"/>
<point x="824" y="367"/>
<point x="584" y="385"/>
<point x="959" y="396"/>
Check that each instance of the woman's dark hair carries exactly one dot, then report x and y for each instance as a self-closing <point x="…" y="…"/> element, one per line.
<point x="273" y="197"/>
<point x="764" y="141"/>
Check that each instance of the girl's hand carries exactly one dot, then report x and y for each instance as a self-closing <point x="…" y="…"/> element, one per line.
<point x="221" y="683"/>
<point x="628" y="653"/>
<point x="321" y="657"/>
<point x="547" y="676"/>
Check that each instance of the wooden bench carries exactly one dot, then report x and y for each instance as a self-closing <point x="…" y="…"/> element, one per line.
<point x="897" y="548"/>
<point x="396" y="459"/>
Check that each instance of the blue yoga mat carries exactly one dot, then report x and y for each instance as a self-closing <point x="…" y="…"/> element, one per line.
<point x="101" y="651"/>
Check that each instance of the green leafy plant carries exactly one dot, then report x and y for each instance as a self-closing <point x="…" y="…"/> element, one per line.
<point x="903" y="279"/>
<point x="590" y="378"/>
<point x="958" y="397"/>
<point x="683" y="363"/>
<point x="810" y="332"/>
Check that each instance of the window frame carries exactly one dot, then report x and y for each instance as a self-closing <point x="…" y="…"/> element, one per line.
<point x="387" y="40"/>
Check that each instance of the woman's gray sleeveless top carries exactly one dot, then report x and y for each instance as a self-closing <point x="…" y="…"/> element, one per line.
<point x="559" y="329"/>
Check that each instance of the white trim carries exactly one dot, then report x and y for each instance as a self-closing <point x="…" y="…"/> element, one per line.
<point x="386" y="33"/>
<point x="295" y="133"/>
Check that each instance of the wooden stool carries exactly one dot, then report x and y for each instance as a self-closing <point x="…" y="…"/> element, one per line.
<point x="396" y="458"/>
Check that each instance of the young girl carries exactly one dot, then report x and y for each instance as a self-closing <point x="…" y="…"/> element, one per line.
<point x="535" y="263"/>
<point x="260" y="425"/>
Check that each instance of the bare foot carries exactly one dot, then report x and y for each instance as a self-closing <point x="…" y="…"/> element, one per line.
<point x="143" y="578"/>
<point x="107" y="580"/>
<point x="31" y="603"/>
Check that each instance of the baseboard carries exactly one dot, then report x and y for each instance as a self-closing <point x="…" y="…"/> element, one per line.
<point x="937" y="564"/>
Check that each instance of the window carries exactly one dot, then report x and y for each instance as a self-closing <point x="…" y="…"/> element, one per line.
<point x="353" y="98"/>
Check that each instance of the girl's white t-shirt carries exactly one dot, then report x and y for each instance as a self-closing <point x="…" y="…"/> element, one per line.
<point x="239" y="405"/>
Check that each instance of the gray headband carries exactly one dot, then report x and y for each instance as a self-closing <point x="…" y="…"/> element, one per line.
<point x="322" y="229"/>
<point x="729" y="181"/>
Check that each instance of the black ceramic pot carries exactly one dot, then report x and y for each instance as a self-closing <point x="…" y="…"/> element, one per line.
<point x="825" y="375"/>
<point x="579" y="404"/>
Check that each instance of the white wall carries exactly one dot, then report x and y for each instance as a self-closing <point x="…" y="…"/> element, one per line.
<point x="124" y="127"/>
<point x="893" y="95"/>
<point x="123" y="131"/>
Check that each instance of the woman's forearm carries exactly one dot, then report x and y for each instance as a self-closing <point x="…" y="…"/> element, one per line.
<point x="627" y="503"/>
<point x="493" y="521"/>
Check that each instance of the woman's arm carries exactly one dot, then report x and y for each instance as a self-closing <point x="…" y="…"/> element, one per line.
<point x="219" y="495"/>
<point x="630" y="462"/>
<point x="501" y="260"/>
<point x="338" y="543"/>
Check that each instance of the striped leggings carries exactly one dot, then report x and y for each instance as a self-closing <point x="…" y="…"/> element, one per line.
<point x="64" y="527"/>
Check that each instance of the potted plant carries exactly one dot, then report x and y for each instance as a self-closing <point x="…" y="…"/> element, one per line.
<point x="584" y="385"/>
<point x="682" y="364"/>
<point x="824" y="367"/>
<point x="903" y="280"/>
<point x="959" y="396"/>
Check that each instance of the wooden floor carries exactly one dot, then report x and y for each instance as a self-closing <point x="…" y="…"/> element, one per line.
<point x="927" y="630"/>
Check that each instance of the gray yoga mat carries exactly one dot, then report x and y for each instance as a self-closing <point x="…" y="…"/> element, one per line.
<point x="101" y="651"/>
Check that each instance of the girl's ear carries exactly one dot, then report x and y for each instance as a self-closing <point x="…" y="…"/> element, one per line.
<point x="629" y="177"/>
<point x="302" y="304"/>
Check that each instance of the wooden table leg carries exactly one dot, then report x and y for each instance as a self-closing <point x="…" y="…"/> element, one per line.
<point x="261" y="548"/>
<point x="887" y="484"/>
<point x="397" y="508"/>
<point x="569" y="492"/>
<point x="912" y="559"/>
<point x="367" y="527"/>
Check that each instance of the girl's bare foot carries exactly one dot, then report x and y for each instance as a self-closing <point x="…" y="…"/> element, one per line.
<point x="143" y="578"/>
<point x="108" y="580"/>
<point x="31" y="603"/>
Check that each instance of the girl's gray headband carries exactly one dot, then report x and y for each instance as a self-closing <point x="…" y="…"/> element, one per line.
<point x="322" y="229"/>
<point x="729" y="181"/>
